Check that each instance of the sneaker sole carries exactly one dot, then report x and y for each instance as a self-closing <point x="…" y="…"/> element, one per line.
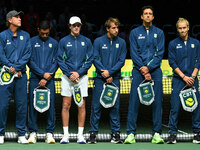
<point x="196" y="142"/>
<point x="51" y="142"/>
<point x="64" y="142"/>
<point x="82" y="142"/>
<point x="173" y="142"/>
<point x="128" y="142"/>
<point x="159" y="142"/>
<point x="92" y="142"/>
<point x="31" y="142"/>
<point x="22" y="143"/>
<point x="116" y="142"/>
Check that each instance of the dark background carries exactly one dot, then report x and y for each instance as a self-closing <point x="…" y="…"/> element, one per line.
<point x="96" y="12"/>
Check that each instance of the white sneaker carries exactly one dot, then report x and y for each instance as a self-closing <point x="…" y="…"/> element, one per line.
<point x="81" y="139"/>
<point x="65" y="139"/>
<point x="1" y="139"/>
<point x="32" y="138"/>
<point x="22" y="140"/>
<point x="50" y="139"/>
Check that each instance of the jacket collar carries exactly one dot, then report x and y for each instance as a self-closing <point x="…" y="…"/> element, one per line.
<point x="150" y="27"/>
<point x="11" y="33"/>
<point x="114" y="39"/>
<point x="73" y="37"/>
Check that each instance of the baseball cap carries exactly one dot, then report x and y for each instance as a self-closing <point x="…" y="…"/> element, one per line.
<point x="74" y="20"/>
<point x="13" y="13"/>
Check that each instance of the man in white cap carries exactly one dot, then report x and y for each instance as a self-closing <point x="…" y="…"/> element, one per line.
<point x="15" y="51"/>
<point x="75" y="57"/>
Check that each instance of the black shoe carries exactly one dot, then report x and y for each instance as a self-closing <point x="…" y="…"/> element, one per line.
<point x="115" y="138"/>
<point x="196" y="138"/>
<point x="171" y="139"/>
<point x="92" y="138"/>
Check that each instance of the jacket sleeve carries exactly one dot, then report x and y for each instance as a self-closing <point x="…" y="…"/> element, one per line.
<point x="89" y="59"/>
<point x="97" y="58"/>
<point x="3" y="58"/>
<point x="121" y="60"/>
<point x="160" y="48"/>
<point x="33" y="66"/>
<point x="197" y="64"/>
<point x="172" y="56"/>
<point x="61" y="60"/>
<point x="54" y="66"/>
<point x="21" y="64"/>
<point x="137" y="60"/>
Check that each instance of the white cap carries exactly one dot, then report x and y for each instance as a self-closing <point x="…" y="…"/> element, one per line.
<point x="74" y="20"/>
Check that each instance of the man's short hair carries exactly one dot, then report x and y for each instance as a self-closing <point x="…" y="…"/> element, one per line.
<point x="44" y="25"/>
<point x="146" y="7"/>
<point x="111" y="19"/>
<point x="182" y="20"/>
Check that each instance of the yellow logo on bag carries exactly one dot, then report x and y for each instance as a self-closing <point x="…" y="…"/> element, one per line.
<point x="146" y="91"/>
<point x="42" y="97"/>
<point x="78" y="97"/>
<point x="6" y="77"/>
<point x="189" y="102"/>
<point x="109" y="93"/>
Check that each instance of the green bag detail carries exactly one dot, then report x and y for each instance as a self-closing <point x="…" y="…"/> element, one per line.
<point x="6" y="76"/>
<point x="188" y="99"/>
<point x="41" y="101"/>
<point x="146" y="92"/>
<point x="78" y="99"/>
<point x="109" y="95"/>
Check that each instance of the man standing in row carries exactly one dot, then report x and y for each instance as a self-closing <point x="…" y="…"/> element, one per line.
<point x="75" y="57"/>
<point x="43" y="65"/>
<point x="184" y="58"/>
<point x="15" y="51"/>
<point x="147" y="49"/>
<point x="109" y="57"/>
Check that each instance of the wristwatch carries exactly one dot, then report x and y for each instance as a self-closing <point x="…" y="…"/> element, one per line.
<point x="193" y="77"/>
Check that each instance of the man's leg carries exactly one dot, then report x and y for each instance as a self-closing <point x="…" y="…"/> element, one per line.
<point x="51" y="112"/>
<point x="114" y="112"/>
<point x="134" y="102"/>
<point x="32" y="113"/>
<point x="5" y="96"/>
<point x="65" y="118"/>
<point x="157" y="104"/>
<point x="20" y="96"/>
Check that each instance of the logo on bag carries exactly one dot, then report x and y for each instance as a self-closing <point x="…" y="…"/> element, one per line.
<point x="78" y="97"/>
<point x="6" y="76"/>
<point x="188" y="99"/>
<point x="41" y="97"/>
<point x="109" y="93"/>
<point x="189" y="102"/>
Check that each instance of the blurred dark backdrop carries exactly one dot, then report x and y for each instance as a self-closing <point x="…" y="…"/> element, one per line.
<point x="94" y="13"/>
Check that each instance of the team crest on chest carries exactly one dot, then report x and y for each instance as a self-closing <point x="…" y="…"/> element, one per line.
<point x="21" y="37"/>
<point x="50" y="45"/>
<point x="117" y="45"/>
<point x="192" y="45"/>
<point x="83" y="43"/>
